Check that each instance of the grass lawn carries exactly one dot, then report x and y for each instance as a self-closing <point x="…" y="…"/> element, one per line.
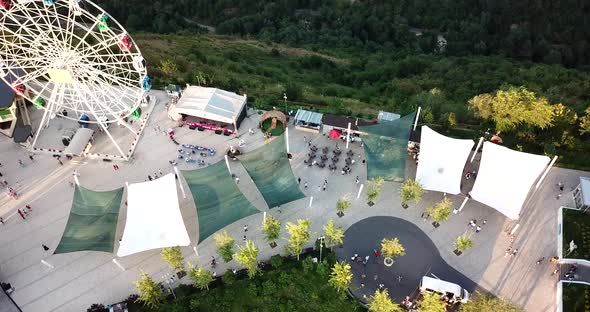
<point x="576" y="297"/>
<point x="290" y="286"/>
<point x="576" y="227"/>
<point x="276" y="131"/>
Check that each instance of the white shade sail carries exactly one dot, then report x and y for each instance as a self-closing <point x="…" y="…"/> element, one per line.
<point x="153" y="217"/>
<point x="442" y="160"/>
<point x="505" y="178"/>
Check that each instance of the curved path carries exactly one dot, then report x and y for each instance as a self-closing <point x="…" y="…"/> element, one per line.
<point x="422" y="258"/>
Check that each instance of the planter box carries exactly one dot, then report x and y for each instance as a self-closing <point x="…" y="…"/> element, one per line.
<point x="405" y="206"/>
<point x="181" y="274"/>
<point x="435" y="224"/>
<point x="457" y="252"/>
<point x="370" y="204"/>
<point x="273" y="244"/>
<point x="340" y="214"/>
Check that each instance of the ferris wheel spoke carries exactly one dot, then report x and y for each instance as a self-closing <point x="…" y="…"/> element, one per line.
<point x="105" y="44"/>
<point x="49" y="20"/>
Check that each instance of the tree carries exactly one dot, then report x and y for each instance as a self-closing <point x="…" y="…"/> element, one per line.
<point x="173" y="256"/>
<point x="341" y="276"/>
<point x="585" y="122"/>
<point x="411" y="191"/>
<point x="342" y="204"/>
<point x="271" y="227"/>
<point x="149" y="291"/>
<point x="483" y="302"/>
<point x="373" y="189"/>
<point x="247" y="256"/>
<point x="380" y="302"/>
<point x="299" y="236"/>
<point x="168" y="67"/>
<point x="225" y="245"/>
<point x="449" y="120"/>
<point x="334" y="234"/>
<point x="513" y="107"/>
<point x="201" y="278"/>
<point x="392" y="248"/>
<point x="431" y="303"/>
<point x="462" y="243"/>
<point x="441" y="211"/>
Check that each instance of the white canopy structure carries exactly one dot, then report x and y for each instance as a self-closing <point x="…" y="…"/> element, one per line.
<point x="442" y="160"/>
<point x="505" y="178"/>
<point x="153" y="217"/>
<point x="211" y="103"/>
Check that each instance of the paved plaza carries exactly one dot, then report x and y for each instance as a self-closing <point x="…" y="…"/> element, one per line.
<point x="79" y="279"/>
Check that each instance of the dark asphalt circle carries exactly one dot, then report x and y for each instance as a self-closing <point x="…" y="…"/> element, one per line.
<point x="422" y="258"/>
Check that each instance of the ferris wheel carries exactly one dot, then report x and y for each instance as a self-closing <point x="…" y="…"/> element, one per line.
<point x="72" y="59"/>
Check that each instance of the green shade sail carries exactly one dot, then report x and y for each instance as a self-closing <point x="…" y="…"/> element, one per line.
<point x="218" y="200"/>
<point x="269" y="168"/>
<point x="386" y="147"/>
<point x="92" y="223"/>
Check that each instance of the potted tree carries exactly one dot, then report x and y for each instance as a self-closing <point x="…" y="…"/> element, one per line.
<point x="373" y="190"/>
<point x="440" y="212"/>
<point x="390" y="249"/>
<point x="462" y="243"/>
<point x="271" y="227"/>
<point x="411" y="191"/>
<point x="342" y="204"/>
<point x="173" y="255"/>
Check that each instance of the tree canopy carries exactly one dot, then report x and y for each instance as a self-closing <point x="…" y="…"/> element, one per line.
<point x="225" y="245"/>
<point x="149" y="291"/>
<point x="431" y="303"/>
<point x="298" y="236"/>
<point x="247" y="256"/>
<point x="513" y="107"/>
<point x="341" y="276"/>
<point x="392" y="248"/>
<point x="334" y="234"/>
<point x="411" y="191"/>
<point x="441" y="211"/>
<point x="271" y="227"/>
<point x="381" y="302"/>
<point x="173" y="256"/>
<point x="483" y="302"/>
<point x="200" y="277"/>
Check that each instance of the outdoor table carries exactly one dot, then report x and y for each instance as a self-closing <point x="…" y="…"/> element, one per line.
<point x="324" y="157"/>
<point x="314" y="148"/>
<point x="350" y="153"/>
<point x="337" y="152"/>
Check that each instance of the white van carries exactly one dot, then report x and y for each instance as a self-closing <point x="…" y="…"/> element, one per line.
<point x="443" y="288"/>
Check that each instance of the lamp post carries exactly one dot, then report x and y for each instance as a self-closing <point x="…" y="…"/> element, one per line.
<point x="321" y="238"/>
<point x="168" y="281"/>
<point x="285" y="98"/>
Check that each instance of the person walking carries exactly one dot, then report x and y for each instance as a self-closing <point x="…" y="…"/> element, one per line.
<point x="45" y="247"/>
<point x="245" y="228"/>
<point x="21" y="214"/>
<point x="115" y="167"/>
<point x="376" y="253"/>
<point x="478" y="229"/>
<point x="540" y="260"/>
<point x="298" y="180"/>
<point x="305" y="185"/>
<point x="1" y="174"/>
<point x="28" y="207"/>
<point x="31" y="158"/>
<point x="237" y="180"/>
<point x="1" y="220"/>
<point x="21" y="164"/>
<point x="357" y="180"/>
<point x="160" y="172"/>
<point x="304" y="139"/>
<point x="150" y="177"/>
<point x="514" y="252"/>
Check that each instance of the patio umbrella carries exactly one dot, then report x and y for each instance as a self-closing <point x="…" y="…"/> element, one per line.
<point x="334" y="134"/>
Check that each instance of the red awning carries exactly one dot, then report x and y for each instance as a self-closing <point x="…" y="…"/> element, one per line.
<point x="334" y="134"/>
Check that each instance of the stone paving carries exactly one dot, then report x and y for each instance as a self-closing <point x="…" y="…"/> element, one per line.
<point x="79" y="279"/>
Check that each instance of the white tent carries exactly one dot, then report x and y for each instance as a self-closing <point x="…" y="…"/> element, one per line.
<point x="505" y="178"/>
<point x="442" y="160"/>
<point x="211" y="103"/>
<point x="153" y="217"/>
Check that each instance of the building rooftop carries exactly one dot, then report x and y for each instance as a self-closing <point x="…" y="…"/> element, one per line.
<point x="342" y="122"/>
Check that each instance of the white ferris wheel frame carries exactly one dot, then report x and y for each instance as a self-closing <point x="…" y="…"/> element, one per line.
<point x="63" y="57"/>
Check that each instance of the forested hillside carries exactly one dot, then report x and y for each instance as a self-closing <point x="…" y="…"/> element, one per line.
<point x="547" y="31"/>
